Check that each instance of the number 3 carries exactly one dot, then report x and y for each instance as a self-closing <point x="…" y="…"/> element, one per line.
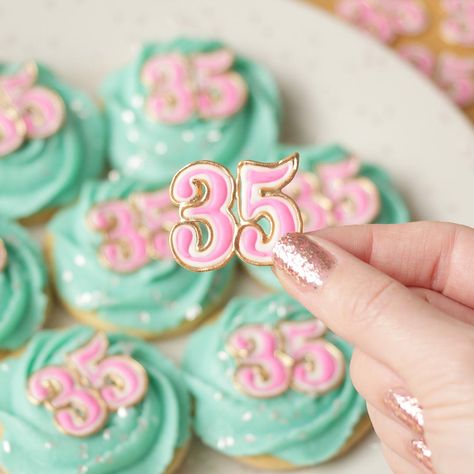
<point x="205" y="192"/>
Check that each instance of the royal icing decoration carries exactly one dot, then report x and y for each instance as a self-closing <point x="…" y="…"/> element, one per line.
<point x="271" y="360"/>
<point x="458" y="25"/>
<point x="135" y="230"/>
<point x="89" y="386"/>
<point x="386" y="19"/>
<point x="184" y="86"/>
<point x="27" y="111"/>
<point x="334" y="195"/>
<point x="3" y="256"/>
<point x="456" y="75"/>
<point x="209" y="234"/>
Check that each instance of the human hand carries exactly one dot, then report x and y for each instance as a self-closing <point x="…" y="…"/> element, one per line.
<point x="403" y="296"/>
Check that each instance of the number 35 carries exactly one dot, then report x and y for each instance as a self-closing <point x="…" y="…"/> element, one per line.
<point x="209" y="234"/>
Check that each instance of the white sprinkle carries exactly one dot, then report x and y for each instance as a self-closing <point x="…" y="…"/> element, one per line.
<point x="4" y="367"/>
<point x="218" y="396"/>
<point x="230" y="441"/>
<point x="77" y="105"/>
<point x="247" y="416"/>
<point x="80" y="260"/>
<point x="193" y="312"/>
<point x="250" y="438"/>
<point x="48" y="445"/>
<point x="282" y="311"/>
<point x="84" y="299"/>
<point x="82" y="469"/>
<point x="221" y="443"/>
<point x="134" y="162"/>
<point x="272" y="307"/>
<point x="187" y="136"/>
<point x="133" y="135"/>
<point x="122" y="412"/>
<point x="107" y="435"/>
<point x="128" y="116"/>
<point x="145" y="317"/>
<point x="223" y="356"/>
<point x="113" y="175"/>
<point x="68" y="276"/>
<point x="214" y="136"/>
<point x="161" y="148"/>
<point x="7" y="446"/>
<point x="137" y="101"/>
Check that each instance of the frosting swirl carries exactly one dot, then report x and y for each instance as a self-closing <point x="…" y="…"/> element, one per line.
<point x="392" y="210"/>
<point x="46" y="173"/>
<point x="23" y="283"/>
<point x="158" y="297"/>
<point x="150" y="150"/>
<point x="293" y="426"/>
<point x="142" y="438"/>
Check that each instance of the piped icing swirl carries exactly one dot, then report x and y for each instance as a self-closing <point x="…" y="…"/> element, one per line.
<point x="47" y="169"/>
<point x="290" y="423"/>
<point x="144" y="147"/>
<point x="150" y="295"/>
<point x="141" y="438"/>
<point x="384" y="204"/>
<point x="23" y="286"/>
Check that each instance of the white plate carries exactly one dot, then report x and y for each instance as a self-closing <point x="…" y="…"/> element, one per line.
<point x="337" y="85"/>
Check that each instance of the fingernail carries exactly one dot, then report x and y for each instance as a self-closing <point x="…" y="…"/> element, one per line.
<point x="406" y="408"/>
<point x="422" y="453"/>
<point x="303" y="260"/>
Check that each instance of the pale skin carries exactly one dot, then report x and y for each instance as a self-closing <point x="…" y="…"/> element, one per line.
<point x="403" y="295"/>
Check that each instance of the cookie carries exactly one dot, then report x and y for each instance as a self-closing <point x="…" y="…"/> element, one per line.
<point x="271" y="386"/>
<point x="186" y="100"/>
<point x="91" y="402"/>
<point x="332" y="187"/>
<point x="23" y="287"/>
<point x="113" y="268"/>
<point x="52" y="139"/>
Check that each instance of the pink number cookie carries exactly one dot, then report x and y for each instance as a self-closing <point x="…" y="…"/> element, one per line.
<point x="270" y="361"/>
<point x="27" y="110"/>
<point x="456" y="75"/>
<point x="458" y="25"/>
<point x="355" y="199"/>
<point x="260" y="196"/>
<point x="135" y="230"/>
<point x="3" y="256"/>
<point x="209" y="234"/>
<point x="81" y="394"/>
<point x="386" y="19"/>
<point x="203" y="85"/>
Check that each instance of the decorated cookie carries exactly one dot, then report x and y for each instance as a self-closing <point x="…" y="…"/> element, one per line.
<point x="113" y="267"/>
<point x="332" y="187"/>
<point x="189" y="100"/>
<point x="85" y="402"/>
<point x="271" y="385"/>
<point x="52" y="138"/>
<point x="23" y="286"/>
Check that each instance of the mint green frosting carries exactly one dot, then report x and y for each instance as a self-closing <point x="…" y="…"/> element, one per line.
<point x="141" y="439"/>
<point x="393" y="208"/>
<point x="158" y="297"/>
<point x="294" y="427"/>
<point x="149" y="150"/>
<point x="23" y="284"/>
<point x="48" y="173"/>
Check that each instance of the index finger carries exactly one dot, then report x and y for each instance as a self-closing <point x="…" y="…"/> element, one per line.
<point x="433" y="255"/>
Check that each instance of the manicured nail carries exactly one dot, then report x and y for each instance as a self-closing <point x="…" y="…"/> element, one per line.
<point x="303" y="260"/>
<point x="422" y="453"/>
<point x="406" y="408"/>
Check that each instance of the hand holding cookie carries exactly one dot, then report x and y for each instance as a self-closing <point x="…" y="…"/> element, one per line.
<point x="400" y="294"/>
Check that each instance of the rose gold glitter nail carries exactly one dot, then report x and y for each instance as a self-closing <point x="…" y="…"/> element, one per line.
<point x="422" y="453"/>
<point x="406" y="408"/>
<point x="306" y="262"/>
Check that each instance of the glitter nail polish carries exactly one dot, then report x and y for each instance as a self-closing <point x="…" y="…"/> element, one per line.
<point x="422" y="453"/>
<point x="303" y="260"/>
<point x="406" y="408"/>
